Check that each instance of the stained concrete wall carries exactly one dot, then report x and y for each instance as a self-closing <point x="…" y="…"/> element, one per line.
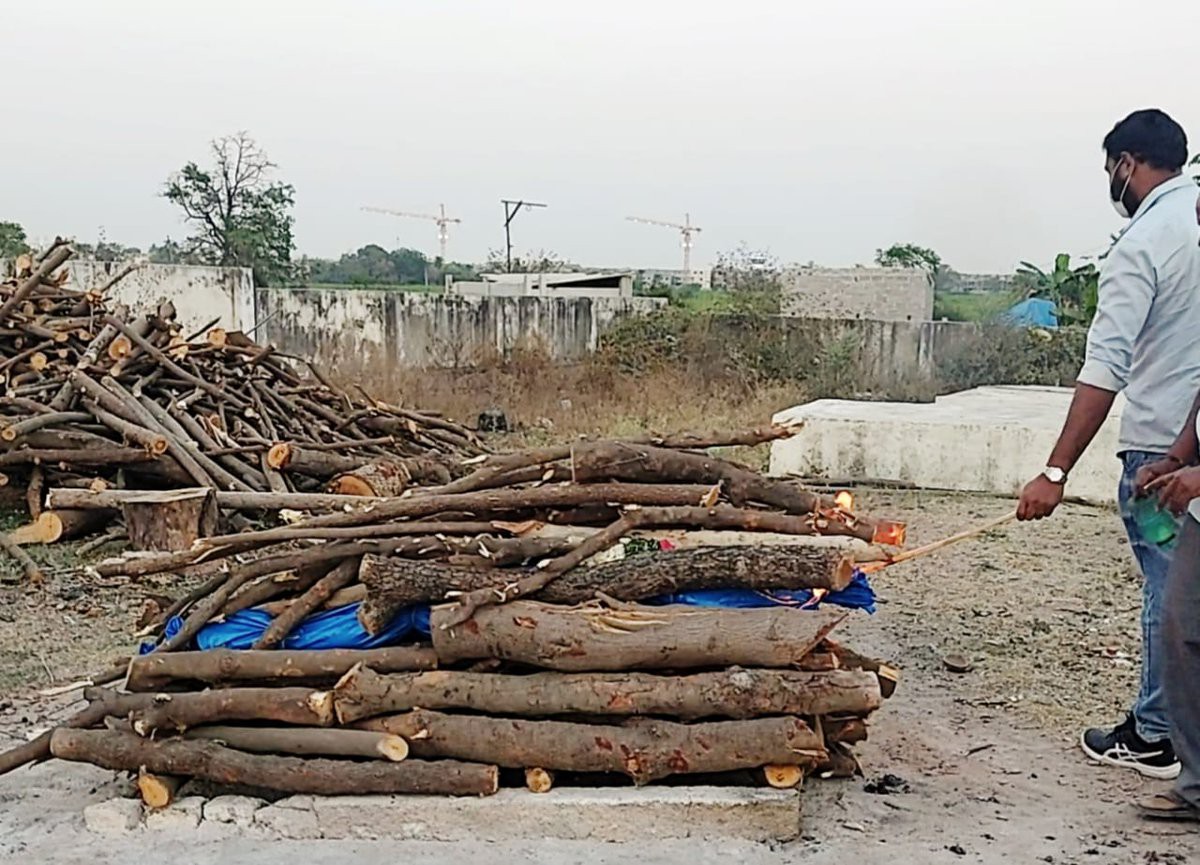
<point x="359" y="333"/>
<point x="199" y="293"/>
<point x="883" y="293"/>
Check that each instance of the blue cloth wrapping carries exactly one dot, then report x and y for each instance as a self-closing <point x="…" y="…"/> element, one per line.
<point x="857" y="596"/>
<point x="332" y="629"/>
<point x="340" y="628"/>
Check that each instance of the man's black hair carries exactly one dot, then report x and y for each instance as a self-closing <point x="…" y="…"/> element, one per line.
<point x="1151" y="136"/>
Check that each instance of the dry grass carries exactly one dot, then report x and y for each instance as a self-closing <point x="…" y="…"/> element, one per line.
<point x="545" y="401"/>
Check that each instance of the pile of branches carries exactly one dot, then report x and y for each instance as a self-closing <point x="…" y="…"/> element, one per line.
<point x="540" y="656"/>
<point x="97" y="396"/>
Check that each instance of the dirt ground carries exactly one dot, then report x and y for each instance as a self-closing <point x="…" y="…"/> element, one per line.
<point x="1046" y="613"/>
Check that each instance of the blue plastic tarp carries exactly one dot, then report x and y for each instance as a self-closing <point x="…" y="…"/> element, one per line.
<point x="340" y="629"/>
<point x="857" y="596"/>
<point x="1034" y="312"/>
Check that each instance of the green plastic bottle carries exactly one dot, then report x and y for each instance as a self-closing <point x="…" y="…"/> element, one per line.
<point x="1159" y="527"/>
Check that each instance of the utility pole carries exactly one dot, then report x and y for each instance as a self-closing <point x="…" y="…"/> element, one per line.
<point x="443" y="221"/>
<point x="686" y="230"/>
<point x="511" y="209"/>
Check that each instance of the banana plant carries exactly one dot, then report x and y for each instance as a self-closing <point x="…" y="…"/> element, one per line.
<point x="1073" y="291"/>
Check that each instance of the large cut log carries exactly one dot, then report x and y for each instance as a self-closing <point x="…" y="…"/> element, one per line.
<point x="394" y="583"/>
<point x="620" y="461"/>
<point x="643" y="748"/>
<point x="208" y="761"/>
<point x="732" y="693"/>
<point x="152" y="672"/>
<point x="494" y="467"/>
<point x="308" y="742"/>
<point x="288" y="457"/>
<point x="713" y="517"/>
<point x="386" y="478"/>
<point x="170" y="519"/>
<point x="592" y="639"/>
<point x="300" y="706"/>
<point x="60" y="525"/>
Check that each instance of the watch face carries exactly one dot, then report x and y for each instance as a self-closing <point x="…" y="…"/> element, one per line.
<point x="1054" y="475"/>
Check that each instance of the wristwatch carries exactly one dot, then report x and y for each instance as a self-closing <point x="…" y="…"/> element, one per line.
<point x="1055" y="475"/>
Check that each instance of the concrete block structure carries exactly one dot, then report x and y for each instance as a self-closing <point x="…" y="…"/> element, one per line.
<point x="880" y="293"/>
<point x="988" y="440"/>
<point x="609" y="285"/>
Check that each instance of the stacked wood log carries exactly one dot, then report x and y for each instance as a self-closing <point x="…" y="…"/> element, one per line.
<point x="641" y="692"/>
<point x="540" y="656"/>
<point x="97" y="396"/>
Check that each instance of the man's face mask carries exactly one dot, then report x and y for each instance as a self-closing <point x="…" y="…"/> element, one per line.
<point x="1118" y="188"/>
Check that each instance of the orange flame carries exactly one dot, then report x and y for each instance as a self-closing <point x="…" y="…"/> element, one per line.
<point x="844" y="500"/>
<point x="889" y="532"/>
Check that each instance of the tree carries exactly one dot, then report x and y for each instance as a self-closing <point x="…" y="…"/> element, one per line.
<point x="910" y="255"/>
<point x="1074" y="291"/>
<point x="12" y="240"/>
<point x="167" y="252"/>
<point x="542" y="261"/>
<point x="239" y="215"/>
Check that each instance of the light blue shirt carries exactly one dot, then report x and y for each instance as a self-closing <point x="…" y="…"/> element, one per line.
<point x="1145" y="338"/>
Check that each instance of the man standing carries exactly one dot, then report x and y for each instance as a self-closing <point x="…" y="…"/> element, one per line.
<point x="1179" y="491"/>
<point x="1145" y="341"/>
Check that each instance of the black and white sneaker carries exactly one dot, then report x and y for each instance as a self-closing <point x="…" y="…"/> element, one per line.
<point x="1124" y="748"/>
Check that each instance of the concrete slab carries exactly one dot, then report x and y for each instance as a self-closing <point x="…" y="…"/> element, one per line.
<point x="607" y="814"/>
<point x="990" y="440"/>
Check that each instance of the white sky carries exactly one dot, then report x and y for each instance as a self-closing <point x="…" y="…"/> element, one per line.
<point x="820" y="130"/>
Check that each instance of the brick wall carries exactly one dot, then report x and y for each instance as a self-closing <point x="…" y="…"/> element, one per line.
<point x="880" y="293"/>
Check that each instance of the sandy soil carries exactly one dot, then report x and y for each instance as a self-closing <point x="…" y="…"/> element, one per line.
<point x="1047" y="613"/>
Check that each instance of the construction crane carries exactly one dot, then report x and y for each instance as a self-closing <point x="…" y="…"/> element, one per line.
<point x="442" y="220"/>
<point x="686" y="230"/>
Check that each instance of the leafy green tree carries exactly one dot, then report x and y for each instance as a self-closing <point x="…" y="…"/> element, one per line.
<point x="240" y="217"/>
<point x="12" y="240"/>
<point x="167" y="252"/>
<point x="910" y="255"/>
<point x="1074" y="291"/>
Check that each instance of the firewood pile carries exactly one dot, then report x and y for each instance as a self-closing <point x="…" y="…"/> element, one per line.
<point x="98" y="397"/>
<point x="553" y="646"/>
<point x="370" y="602"/>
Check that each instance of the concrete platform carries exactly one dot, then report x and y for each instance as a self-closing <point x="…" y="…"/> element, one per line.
<point x="617" y="814"/>
<point x="989" y="440"/>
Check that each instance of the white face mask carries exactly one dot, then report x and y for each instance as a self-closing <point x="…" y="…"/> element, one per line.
<point x="1118" y="201"/>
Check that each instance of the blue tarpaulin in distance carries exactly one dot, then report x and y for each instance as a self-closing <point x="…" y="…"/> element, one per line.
<point x="1033" y="312"/>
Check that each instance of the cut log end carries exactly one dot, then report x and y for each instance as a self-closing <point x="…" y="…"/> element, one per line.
<point x="349" y="485"/>
<point x="539" y="780"/>
<point x="120" y="347"/>
<point x="158" y="791"/>
<point x="279" y="456"/>
<point x="783" y="777"/>
<point x="393" y="748"/>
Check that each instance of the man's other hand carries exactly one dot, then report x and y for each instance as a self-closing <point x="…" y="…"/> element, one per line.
<point x="1177" y="489"/>
<point x="1039" y="499"/>
<point x="1151" y="472"/>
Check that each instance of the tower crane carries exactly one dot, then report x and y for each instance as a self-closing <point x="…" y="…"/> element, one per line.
<point x="686" y="230"/>
<point x="443" y="221"/>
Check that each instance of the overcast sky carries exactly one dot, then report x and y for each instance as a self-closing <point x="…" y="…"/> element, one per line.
<point x="818" y="130"/>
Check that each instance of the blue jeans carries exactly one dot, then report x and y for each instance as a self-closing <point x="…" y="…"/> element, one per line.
<point x="1150" y="710"/>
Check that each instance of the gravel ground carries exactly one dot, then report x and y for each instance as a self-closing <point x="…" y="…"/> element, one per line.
<point x="1046" y="613"/>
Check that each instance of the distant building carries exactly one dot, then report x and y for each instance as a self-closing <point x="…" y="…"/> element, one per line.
<point x="545" y="285"/>
<point x="649" y="278"/>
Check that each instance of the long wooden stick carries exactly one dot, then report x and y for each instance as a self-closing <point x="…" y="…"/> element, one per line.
<point x="917" y="552"/>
